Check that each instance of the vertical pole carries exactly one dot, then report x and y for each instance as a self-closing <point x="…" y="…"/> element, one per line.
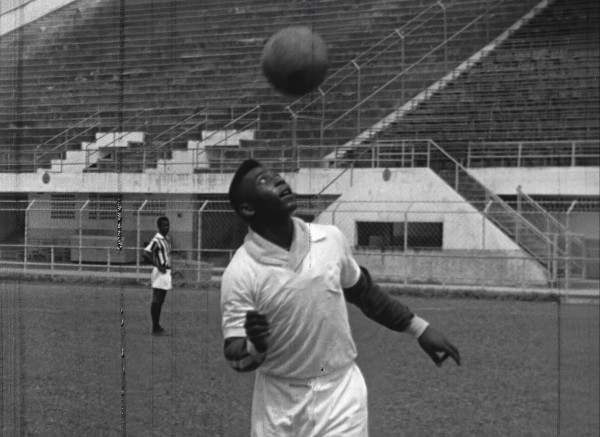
<point x="52" y="261"/>
<point x="138" y="237"/>
<point x="322" y="128"/>
<point x="402" y="65"/>
<point x="469" y="155"/>
<point x="358" y="83"/>
<point x="519" y="154"/>
<point x="26" y="234"/>
<point x="81" y="233"/>
<point x="428" y="154"/>
<point x="294" y="130"/>
<point x="555" y="257"/>
<point x="445" y="36"/>
<point x="573" y="155"/>
<point x="483" y="220"/>
<point x="199" y="242"/>
<point x="569" y="247"/>
<point x="405" y="242"/>
<point x="519" y="213"/>
<point x="456" y="170"/>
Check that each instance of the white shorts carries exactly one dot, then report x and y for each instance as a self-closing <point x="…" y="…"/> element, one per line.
<point x="161" y="280"/>
<point x="331" y="405"/>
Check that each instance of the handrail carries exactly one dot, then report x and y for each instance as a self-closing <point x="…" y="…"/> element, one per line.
<point x="64" y="143"/>
<point x="414" y="64"/>
<point x="66" y="130"/>
<point x="562" y="229"/>
<point x="90" y="153"/>
<point x="37" y="156"/>
<point x="354" y="61"/>
<point x="491" y="195"/>
<point x="231" y="123"/>
<point x="176" y="125"/>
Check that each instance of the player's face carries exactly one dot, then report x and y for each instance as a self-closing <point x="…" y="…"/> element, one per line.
<point x="267" y="193"/>
<point x="163" y="227"/>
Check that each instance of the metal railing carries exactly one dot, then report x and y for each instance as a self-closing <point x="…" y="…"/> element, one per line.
<point x="248" y="120"/>
<point x="62" y="148"/>
<point x="316" y="108"/>
<point x="533" y="153"/>
<point x="568" y="243"/>
<point x="78" y="236"/>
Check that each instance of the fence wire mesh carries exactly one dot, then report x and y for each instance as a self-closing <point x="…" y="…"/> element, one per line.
<point x="410" y="242"/>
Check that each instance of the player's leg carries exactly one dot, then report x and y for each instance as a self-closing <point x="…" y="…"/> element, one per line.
<point x="274" y="405"/>
<point x="340" y="406"/>
<point x="158" y="298"/>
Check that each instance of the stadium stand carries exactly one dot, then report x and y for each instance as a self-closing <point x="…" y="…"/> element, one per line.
<point x="174" y="59"/>
<point x="535" y="92"/>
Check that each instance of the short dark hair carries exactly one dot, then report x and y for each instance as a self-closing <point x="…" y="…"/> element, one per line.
<point x="234" y="196"/>
<point x="161" y="219"/>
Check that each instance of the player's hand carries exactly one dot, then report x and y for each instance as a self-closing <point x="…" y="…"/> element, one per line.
<point x="434" y="343"/>
<point x="257" y="330"/>
<point x="162" y="270"/>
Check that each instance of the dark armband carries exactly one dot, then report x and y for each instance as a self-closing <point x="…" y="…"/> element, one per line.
<point x="383" y="308"/>
<point x="241" y="354"/>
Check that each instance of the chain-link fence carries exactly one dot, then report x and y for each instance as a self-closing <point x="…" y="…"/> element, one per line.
<point x="409" y="242"/>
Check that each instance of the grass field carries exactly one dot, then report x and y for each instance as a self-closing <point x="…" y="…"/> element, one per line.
<point x="61" y="367"/>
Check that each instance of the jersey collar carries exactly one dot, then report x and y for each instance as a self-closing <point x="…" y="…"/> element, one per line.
<point x="266" y="252"/>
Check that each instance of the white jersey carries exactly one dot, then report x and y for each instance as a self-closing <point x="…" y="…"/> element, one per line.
<point x="300" y="292"/>
<point x="160" y="248"/>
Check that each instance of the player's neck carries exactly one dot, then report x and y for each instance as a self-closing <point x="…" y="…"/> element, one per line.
<point x="280" y="233"/>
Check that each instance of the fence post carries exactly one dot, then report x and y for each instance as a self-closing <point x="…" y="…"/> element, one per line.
<point x="52" y="261"/>
<point x="138" y="237"/>
<point x="26" y="234"/>
<point x="456" y="173"/>
<point x="555" y="257"/>
<point x="81" y="233"/>
<point x="322" y="128"/>
<point x="405" y="242"/>
<point x="519" y="213"/>
<point x="199" y="242"/>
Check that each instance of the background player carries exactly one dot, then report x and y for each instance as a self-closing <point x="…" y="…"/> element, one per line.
<point x="158" y="253"/>
<point x="284" y="313"/>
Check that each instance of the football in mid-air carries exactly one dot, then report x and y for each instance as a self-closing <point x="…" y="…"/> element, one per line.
<point x="294" y="60"/>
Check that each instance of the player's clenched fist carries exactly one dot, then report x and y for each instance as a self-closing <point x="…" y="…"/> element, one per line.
<point x="257" y="330"/>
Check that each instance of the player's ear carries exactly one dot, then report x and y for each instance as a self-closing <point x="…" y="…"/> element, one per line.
<point x="246" y="211"/>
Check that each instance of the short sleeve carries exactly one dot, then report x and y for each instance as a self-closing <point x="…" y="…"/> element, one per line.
<point x="151" y="246"/>
<point x="350" y="271"/>
<point x="236" y="300"/>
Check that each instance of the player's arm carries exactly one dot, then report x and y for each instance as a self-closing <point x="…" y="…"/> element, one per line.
<point x="381" y="307"/>
<point x="391" y="313"/>
<point x="245" y="354"/>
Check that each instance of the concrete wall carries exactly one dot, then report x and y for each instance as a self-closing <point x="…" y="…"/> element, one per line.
<point x="582" y="181"/>
<point x="474" y="249"/>
<point x="550" y="181"/>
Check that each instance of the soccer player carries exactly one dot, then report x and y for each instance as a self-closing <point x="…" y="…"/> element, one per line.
<point x="283" y="304"/>
<point x="158" y="253"/>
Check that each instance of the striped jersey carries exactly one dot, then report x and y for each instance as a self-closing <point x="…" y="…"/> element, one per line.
<point x="160" y="248"/>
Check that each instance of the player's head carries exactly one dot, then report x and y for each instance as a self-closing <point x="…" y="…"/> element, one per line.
<point x="258" y="193"/>
<point x="163" y="225"/>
